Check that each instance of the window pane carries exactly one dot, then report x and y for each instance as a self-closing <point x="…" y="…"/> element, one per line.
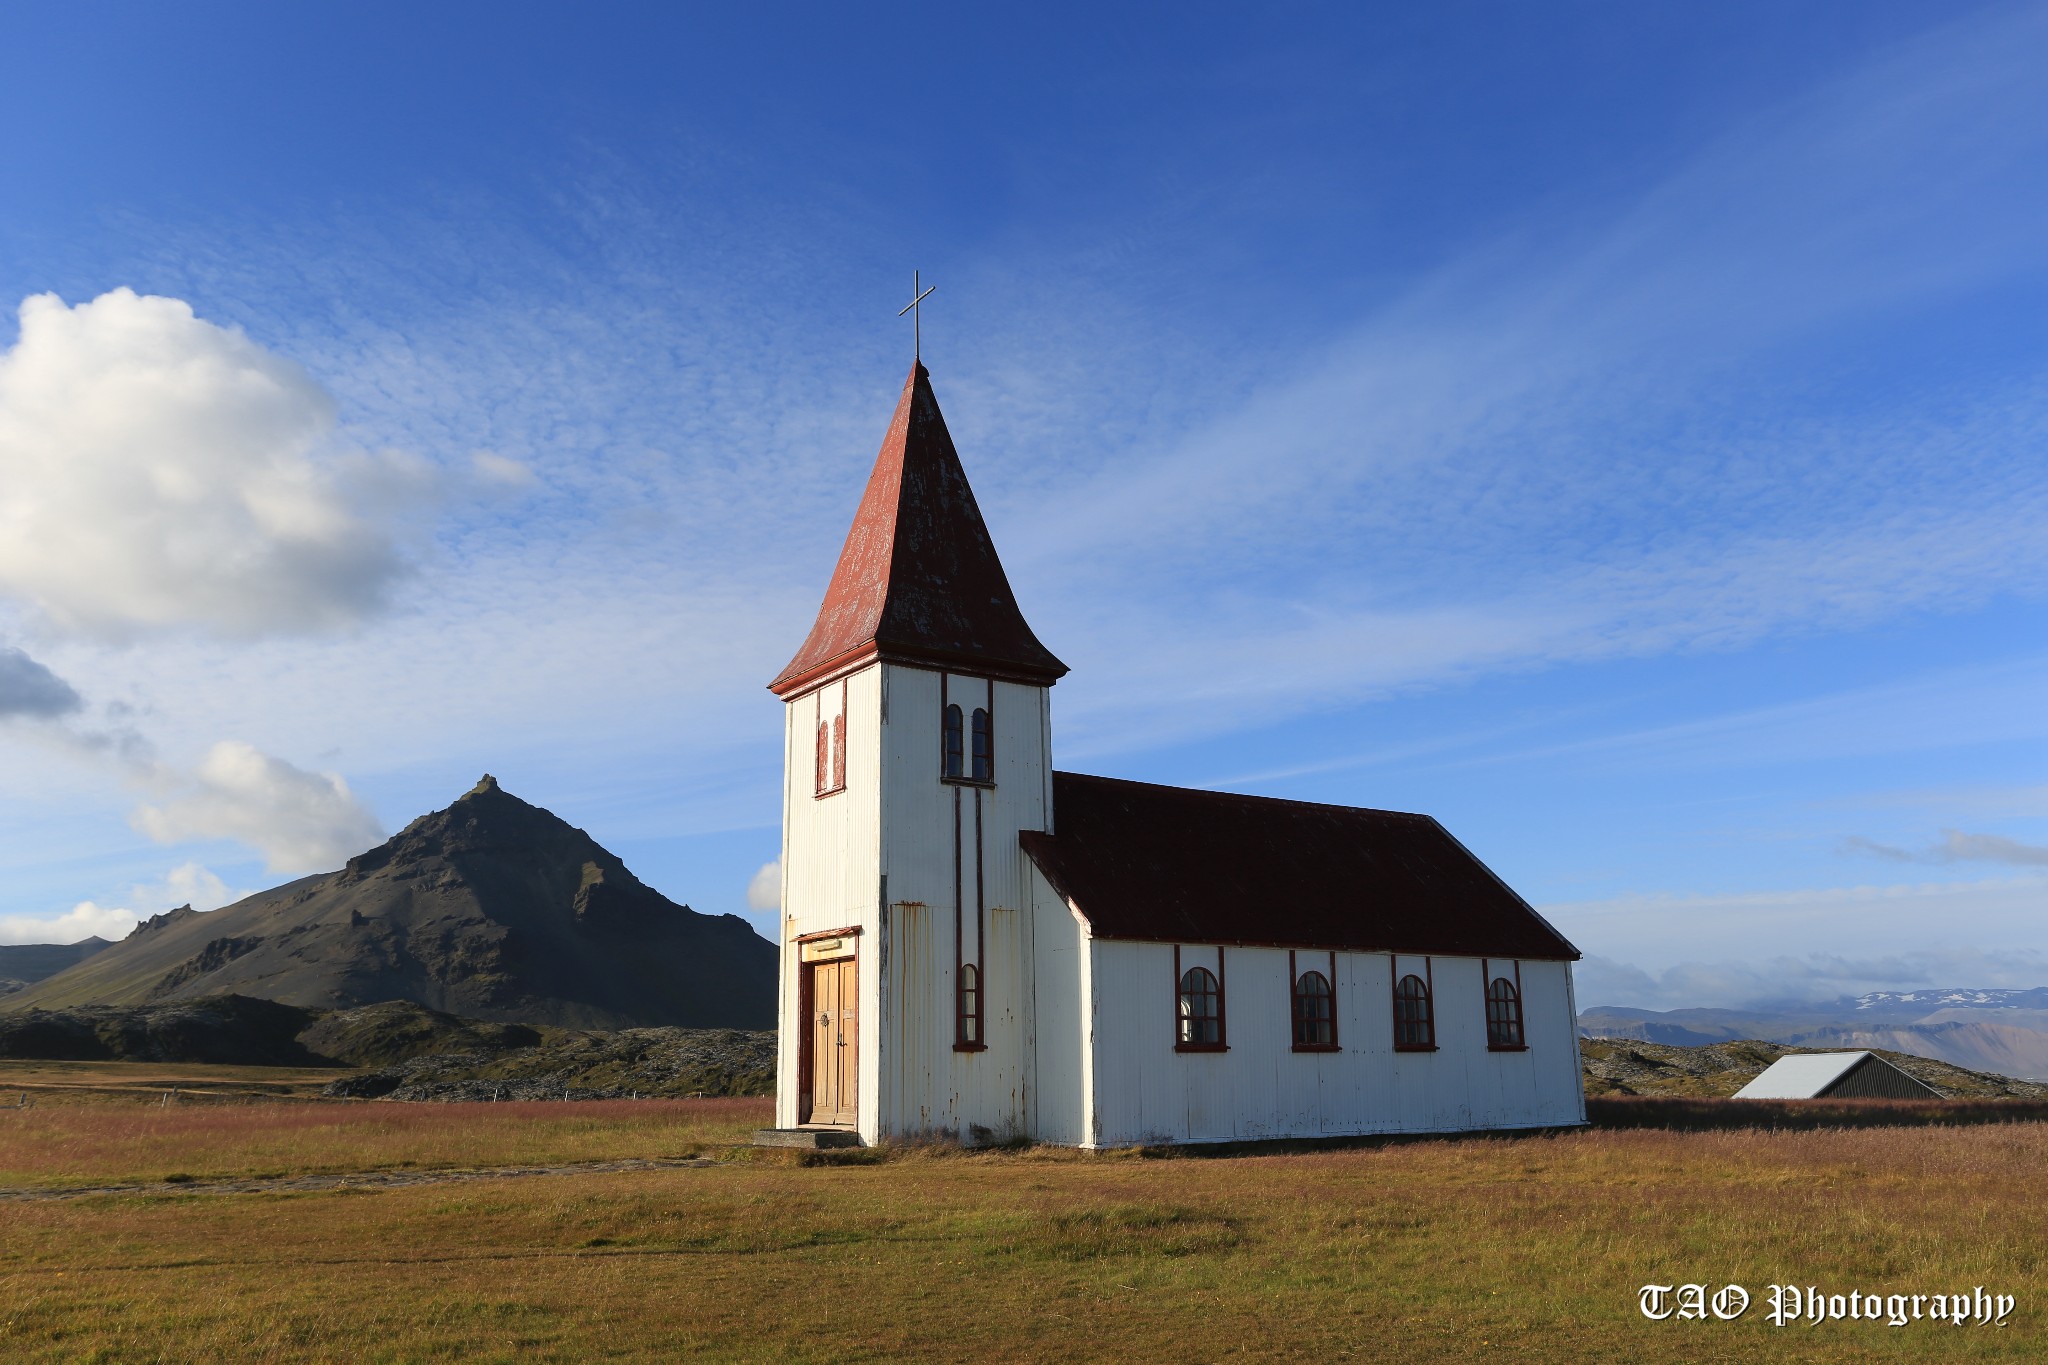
<point x="983" y="769"/>
<point x="952" y="741"/>
<point x="1199" y="1022"/>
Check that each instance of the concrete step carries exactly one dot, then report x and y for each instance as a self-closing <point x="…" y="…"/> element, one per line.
<point x="812" y="1139"/>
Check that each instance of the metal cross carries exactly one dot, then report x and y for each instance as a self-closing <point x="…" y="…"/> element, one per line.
<point x="916" y="316"/>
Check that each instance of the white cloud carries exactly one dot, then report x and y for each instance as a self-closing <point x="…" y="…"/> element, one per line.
<point x="764" y="892"/>
<point x="300" y="821"/>
<point x="501" y="471"/>
<point x="82" y="920"/>
<point x="158" y="470"/>
<point x="28" y="688"/>
<point x="187" y="884"/>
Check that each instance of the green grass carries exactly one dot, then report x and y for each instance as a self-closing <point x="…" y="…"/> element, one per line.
<point x="1515" y="1248"/>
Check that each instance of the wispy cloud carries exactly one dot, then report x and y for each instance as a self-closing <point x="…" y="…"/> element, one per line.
<point x="1779" y="982"/>
<point x="1956" y="846"/>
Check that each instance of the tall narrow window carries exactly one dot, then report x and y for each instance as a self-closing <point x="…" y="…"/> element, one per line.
<point x="824" y="757"/>
<point x="839" y="751"/>
<point x="984" y="754"/>
<point x="1315" y="1015"/>
<point x="1503" y="1016"/>
<point x="951" y="741"/>
<point x="1201" y="1009"/>
<point x="1414" y="1024"/>
<point x="968" y="1034"/>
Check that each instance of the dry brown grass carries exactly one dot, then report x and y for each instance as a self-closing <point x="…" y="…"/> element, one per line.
<point x="73" y="1145"/>
<point x="1524" y="1248"/>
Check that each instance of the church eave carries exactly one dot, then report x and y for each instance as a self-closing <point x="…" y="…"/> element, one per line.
<point x="795" y="684"/>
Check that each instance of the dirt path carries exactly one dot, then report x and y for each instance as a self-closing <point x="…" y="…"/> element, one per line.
<point x="345" y="1180"/>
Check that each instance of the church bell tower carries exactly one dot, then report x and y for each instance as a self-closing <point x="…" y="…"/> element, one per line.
<point x="917" y="746"/>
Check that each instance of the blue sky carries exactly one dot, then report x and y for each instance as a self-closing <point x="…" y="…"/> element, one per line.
<point x="1615" y="430"/>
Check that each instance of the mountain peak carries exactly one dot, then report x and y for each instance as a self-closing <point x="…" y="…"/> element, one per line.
<point x="485" y="786"/>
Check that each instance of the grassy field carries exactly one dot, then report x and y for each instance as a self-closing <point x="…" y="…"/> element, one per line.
<point x="1514" y="1248"/>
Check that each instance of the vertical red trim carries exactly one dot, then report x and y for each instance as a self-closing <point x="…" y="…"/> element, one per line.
<point x="1293" y="1000"/>
<point x="959" y="942"/>
<point x="980" y="926"/>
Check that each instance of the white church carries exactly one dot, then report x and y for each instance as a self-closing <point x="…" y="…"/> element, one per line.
<point x="977" y="945"/>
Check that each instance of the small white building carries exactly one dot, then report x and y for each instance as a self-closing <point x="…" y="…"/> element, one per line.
<point x="1835" y="1076"/>
<point x="975" y="944"/>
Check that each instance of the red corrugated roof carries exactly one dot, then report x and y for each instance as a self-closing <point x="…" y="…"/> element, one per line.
<point x="1172" y="865"/>
<point x="918" y="579"/>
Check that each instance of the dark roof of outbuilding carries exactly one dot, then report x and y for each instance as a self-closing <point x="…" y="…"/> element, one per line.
<point x="1168" y="864"/>
<point x="918" y="579"/>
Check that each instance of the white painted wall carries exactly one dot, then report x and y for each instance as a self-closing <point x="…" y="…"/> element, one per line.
<point x="880" y="856"/>
<point x="831" y="866"/>
<point x="927" y="1087"/>
<point x="1145" y="1092"/>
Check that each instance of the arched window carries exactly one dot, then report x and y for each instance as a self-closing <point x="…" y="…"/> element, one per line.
<point x="1315" y="1015"/>
<point x="951" y="741"/>
<point x="1201" y="1009"/>
<point x="1414" y="1024"/>
<point x="839" y="751"/>
<point x="969" y="1032"/>
<point x="984" y="751"/>
<point x="1503" y="1015"/>
<point x="824" y="757"/>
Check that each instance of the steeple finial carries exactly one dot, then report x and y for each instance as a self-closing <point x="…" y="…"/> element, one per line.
<point x="917" y="296"/>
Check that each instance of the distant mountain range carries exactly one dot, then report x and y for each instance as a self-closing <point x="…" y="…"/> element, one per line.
<point x="24" y="963"/>
<point x="492" y="909"/>
<point x="2004" y="1031"/>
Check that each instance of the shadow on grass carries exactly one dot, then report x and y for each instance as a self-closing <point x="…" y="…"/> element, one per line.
<point x="1700" y="1115"/>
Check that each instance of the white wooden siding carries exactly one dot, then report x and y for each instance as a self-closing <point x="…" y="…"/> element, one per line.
<point x="1146" y="1092"/>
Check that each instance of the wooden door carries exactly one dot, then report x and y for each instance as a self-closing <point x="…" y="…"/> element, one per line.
<point x="835" y="1040"/>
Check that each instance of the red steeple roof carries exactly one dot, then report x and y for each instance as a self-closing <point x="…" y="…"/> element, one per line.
<point x="918" y="580"/>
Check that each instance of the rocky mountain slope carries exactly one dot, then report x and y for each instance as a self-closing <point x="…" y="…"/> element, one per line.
<point x="492" y="909"/>
<point x="418" y="1053"/>
<point x="1633" y="1067"/>
<point x="2005" y="1031"/>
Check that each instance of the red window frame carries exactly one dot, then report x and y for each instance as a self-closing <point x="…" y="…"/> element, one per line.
<point x="967" y="1015"/>
<point x="1506" y="1027"/>
<point x="1182" y="997"/>
<point x="1425" y="1017"/>
<point x="967" y="736"/>
<point x="1300" y="999"/>
<point x="831" y="773"/>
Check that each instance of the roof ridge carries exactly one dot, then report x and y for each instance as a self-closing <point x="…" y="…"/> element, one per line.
<point x="1213" y="794"/>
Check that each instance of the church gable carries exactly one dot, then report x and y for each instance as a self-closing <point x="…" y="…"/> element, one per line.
<point x="1169" y="864"/>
